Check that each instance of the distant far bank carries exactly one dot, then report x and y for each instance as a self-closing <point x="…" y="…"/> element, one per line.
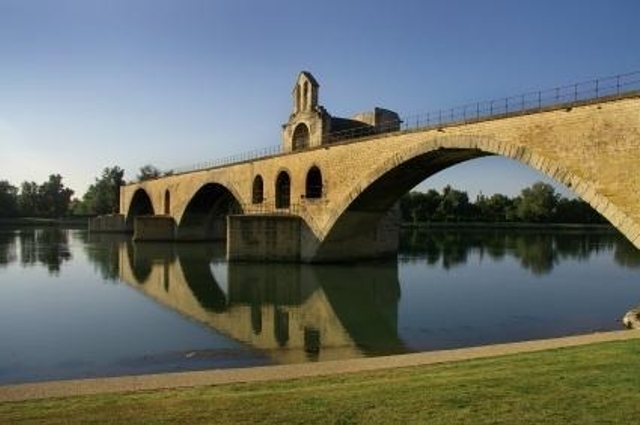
<point x="44" y="222"/>
<point x="505" y="225"/>
<point x="82" y="222"/>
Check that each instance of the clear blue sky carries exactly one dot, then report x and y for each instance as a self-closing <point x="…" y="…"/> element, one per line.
<point x="86" y="84"/>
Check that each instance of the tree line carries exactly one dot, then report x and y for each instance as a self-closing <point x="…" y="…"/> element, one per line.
<point x="539" y="203"/>
<point x="49" y="199"/>
<point x="52" y="199"/>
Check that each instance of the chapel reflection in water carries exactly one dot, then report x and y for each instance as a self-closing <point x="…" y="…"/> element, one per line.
<point x="293" y="312"/>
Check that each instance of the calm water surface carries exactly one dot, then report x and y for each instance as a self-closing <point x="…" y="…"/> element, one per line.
<point x="73" y="306"/>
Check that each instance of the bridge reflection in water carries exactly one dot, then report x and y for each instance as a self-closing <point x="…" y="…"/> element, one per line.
<point x="292" y="312"/>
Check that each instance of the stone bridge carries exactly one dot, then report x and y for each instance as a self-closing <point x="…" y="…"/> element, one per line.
<point x="329" y="195"/>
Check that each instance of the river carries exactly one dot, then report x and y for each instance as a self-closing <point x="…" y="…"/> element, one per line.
<point x="75" y="305"/>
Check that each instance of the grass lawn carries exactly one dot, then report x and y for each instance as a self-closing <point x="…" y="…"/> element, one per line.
<point x="593" y="384"/>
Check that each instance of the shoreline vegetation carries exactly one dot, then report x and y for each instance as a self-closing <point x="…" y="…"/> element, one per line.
<point x="539" y="203"/>
<point x="78" y="221"/>
<point x="506" y="225"/>
<point x="596" y="383"/>
<point x="44" y="222"/>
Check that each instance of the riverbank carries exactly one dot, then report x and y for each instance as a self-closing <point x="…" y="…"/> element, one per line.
<point x="507" y="225"/>
<point x="70" y="222"/>
<point x="584" y="379"/>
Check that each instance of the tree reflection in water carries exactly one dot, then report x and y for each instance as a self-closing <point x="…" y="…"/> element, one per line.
<point x="538" y="250"/>
<point x="8" y="253"/>
<point x="47" y="246"/>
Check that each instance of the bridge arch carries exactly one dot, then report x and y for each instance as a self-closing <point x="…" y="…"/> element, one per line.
<point x="363" y="208"/>
<point x="205" y="215"/>
<point x="140" y="205"/>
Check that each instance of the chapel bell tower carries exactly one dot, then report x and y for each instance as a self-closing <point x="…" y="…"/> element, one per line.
<point x="308" y="123"/>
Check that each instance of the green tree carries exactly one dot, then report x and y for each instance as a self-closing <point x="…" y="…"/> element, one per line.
<point x="537" y="203"/>
<point x="54" y="198"/>
<point x="148" y="172"/>
<point x="493" y="208"/>
<point x="29" y="200"/>
<point x="103" y="196"/>
<point x="454" y="204"/>
<point x="419" y="207"/>
<point x="8" y="199"/>
<point x="427" y="206"/>
<point x="576" y="211"/>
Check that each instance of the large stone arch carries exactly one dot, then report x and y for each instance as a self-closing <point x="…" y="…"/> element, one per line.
<point x="140" y="205"/>
<point x="366" y="204"/>
<point x="205" y="215"/>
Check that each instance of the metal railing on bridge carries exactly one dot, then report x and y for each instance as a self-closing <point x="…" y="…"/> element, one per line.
<point x="232" y="159"/>
<point x="559" y="97"/>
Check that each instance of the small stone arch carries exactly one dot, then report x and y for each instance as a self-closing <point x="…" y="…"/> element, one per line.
<point x="283" y="190"/>
<point x="205" y="216"/>
<point x="313" y="184"/>
<point x="257" y="192"/>
<point x="140" y="205"/>
<point x="301" y="137"/>
<point x="167" y="202"/>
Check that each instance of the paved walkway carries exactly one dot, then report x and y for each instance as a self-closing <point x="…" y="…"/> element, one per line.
<point x="293" y="371"/>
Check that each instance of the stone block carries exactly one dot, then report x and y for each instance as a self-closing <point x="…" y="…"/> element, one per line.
<point x="112" y="223"/>
<point x="154" y="228"/>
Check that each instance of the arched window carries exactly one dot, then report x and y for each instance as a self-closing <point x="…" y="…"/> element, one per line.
<point x="300" y="137"/>
<point x="258" y="190"/>
<point x="167" y="202"/>
<point x="283" y="190"/>
<point x="314" y="183"/>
